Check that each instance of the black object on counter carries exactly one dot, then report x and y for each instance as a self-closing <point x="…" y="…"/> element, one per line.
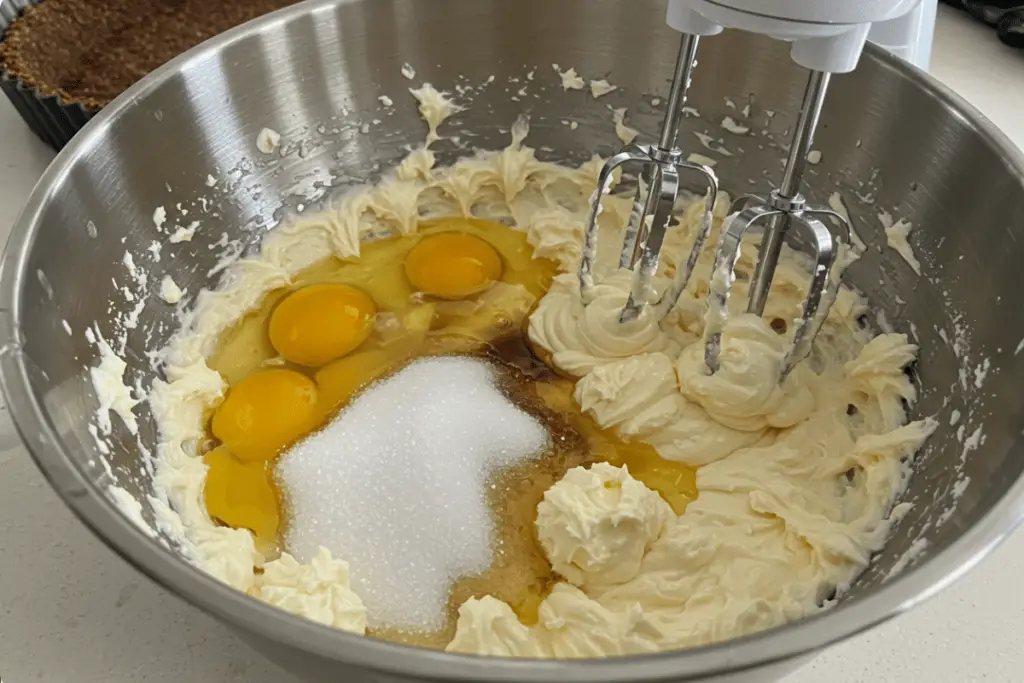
<point x="1006" y="16"/>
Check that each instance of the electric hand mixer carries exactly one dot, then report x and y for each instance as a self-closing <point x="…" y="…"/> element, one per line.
<point x="827" y="37"/>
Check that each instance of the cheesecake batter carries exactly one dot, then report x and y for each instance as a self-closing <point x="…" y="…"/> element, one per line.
<point x="797" y="480"/>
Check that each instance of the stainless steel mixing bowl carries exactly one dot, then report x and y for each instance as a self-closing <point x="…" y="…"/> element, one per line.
<point x="892" y="136"/>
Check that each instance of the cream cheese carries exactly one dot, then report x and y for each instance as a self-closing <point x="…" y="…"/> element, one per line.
<point x="581" y="338"/>
<point x="597" y="524"/>
<point x="170" y="292"/>
<point x="896" y="234"/>
<point x="268" y="140"/>
<point x="320" y="591"/>
<point x="601" y="88"/>
<point x="570" y="79"/>
<point x="113" y="394"/>
<point x="624" y="132"/>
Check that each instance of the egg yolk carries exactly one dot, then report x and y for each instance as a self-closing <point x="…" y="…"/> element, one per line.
<point x="242" y="495"/>
<point x="452" y="265"/>
<point x="320" y="323"/>
<point x="675" y="482"/>
<point x="265" y="413"/>
<point x="345" y="377"/>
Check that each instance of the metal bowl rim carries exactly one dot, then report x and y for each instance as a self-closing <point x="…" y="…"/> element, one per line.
<point x="83" y="497"/>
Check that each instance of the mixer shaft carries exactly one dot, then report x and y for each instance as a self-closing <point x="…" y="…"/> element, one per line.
<point x="633" y="246"/>
<point x="685" y="63"/>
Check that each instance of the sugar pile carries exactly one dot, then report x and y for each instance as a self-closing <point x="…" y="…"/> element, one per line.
<point x="396" y="485"/>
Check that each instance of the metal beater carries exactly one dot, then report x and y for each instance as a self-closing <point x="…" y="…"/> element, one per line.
<point x="657" y="190"/>
<point x="827" y="38"/>
<point x="780" y="211"/>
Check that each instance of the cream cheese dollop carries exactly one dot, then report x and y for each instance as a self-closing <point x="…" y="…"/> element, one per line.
<point x="570" y="625"/>
<point x="581" y="338"/>
<point x="640" y="399"/>
<point x="635" y="395"/>
<point x="597" y="524"/>
<point x="488" y="626"/>
<point x="320" y="591"/>
<point x="745" y="393"/>
<point x="573" y="626"/>
<point x="556" y="234"/>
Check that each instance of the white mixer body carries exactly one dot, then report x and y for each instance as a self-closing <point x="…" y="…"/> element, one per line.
<point x="827" y="35"/>
<point x="813" y="11"/>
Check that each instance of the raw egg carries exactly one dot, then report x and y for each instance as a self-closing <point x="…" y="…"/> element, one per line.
<point x="345" y="377"/>
<point x="320" y="323"/>
<point x="452" y="265"/>
<point x="265" y="413"/>
<point x="674" y="481"/>
<point x="242" y="495"/>
<point x="528" y="609"/>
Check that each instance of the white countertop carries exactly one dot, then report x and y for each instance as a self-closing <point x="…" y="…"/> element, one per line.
<point x="70" y="610"/>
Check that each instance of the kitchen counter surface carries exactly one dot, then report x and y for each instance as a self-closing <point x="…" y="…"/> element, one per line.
<point x="70" y="610"/>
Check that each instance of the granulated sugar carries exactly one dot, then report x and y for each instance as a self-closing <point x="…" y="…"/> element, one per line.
<point x="396" y="485"/>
